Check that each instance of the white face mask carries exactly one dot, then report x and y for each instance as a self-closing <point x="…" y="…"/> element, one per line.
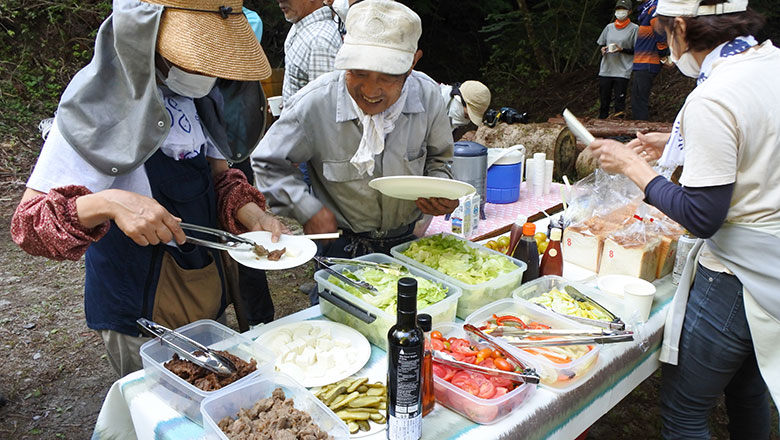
<point x="188" y="84"/>
<point x="457" y="113"/>
<point x="621" y="14"/>
<point x="686" y="63"/>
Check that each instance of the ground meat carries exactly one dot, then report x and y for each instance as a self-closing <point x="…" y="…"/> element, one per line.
<point x="277" y="254"/>
<point x="205" y="379"/>
<point x="272" y="418"/>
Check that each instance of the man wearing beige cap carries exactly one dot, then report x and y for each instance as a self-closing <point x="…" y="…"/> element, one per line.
<point x="373" y="117"/>
<point x="466" y="102"/>
<point x="138" y="146"/>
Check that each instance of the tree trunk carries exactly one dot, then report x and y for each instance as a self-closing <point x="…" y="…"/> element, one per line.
<point x="604" y="128"/>
<point x="586" y="163"/>
<point x="528" y="20"/>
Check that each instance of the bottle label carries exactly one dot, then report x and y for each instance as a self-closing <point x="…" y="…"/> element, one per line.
<point x="404" y="421"/>
<point x="402" y="428"/>
<point x="553" y="253"/>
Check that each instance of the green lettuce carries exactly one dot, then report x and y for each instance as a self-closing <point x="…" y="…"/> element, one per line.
<point x="428" y="292"/>
<point x="455" y="258"/>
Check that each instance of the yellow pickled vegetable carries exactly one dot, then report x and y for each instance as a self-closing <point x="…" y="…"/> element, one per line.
<point x="563" y="303"/>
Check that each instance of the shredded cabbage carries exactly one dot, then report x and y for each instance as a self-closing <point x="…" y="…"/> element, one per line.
<point x="455" y="258"/>
<point x="428" y="292"/>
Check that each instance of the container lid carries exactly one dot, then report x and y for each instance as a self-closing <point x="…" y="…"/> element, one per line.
<point x="469" y="149"/>
<point x="425" y="322"/>
<point x="555" y="234"/>
<point x="529" y="229"/>
<point x="506" y="156"/>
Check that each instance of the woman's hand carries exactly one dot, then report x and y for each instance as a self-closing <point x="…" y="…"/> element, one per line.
<point x="615" y="157"/>
<point x="255" y="219"/>
<point x="436" y="205"/>
<point x="141" y="218"/>
<point x="649" y="146"/>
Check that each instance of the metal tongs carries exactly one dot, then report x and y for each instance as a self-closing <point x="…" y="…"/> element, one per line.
<point x="528" y="375"/>
<point x="210" y="359"/>
<point x="228" y="241"/>
<point x="567" y="336"/>
<point x="616" y="323"/>
<point x="361" y="285"/>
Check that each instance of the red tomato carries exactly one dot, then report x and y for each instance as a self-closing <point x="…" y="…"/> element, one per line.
<point x="485" y="353"/>
<point x="452" y="339"/>
<point x="503" y="364"/>
<point x="443" y="371"/>
<point x="463" y="346"/>
<point x="436" y="335"/>
<point x="500" y="382"/>
<point x="500" y="391"/>
<point x="437" y="344"/>
<point x="487" y="363"/>
<point x="486" y="389"/>
<point x="463" y="380"/>
<point x="496" y="354"/>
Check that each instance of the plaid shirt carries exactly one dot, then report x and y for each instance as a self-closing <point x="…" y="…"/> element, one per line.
<point x="309" y="50"/>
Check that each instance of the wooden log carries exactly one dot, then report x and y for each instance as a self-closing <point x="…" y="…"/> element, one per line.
<point x="614" y="127"/>
<point x="586" y="163"/>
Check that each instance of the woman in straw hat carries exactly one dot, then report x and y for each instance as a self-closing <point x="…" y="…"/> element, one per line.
<point x="724" y="322"/>
<point x="139" y="144"/>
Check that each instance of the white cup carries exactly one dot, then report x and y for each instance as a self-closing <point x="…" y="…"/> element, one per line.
<point x="612" y="47"/>
<point x="539" y="159"/>
<point x="275" y="104"/>
<point x="548" y="175"/>
<point x="538" y="188"/>
<point x="529" y="171"/>
<point x="638" y="300"/>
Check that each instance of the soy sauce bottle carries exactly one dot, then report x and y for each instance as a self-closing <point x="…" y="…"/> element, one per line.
<point x="404" y="367"/>
<point x="528" y="252"/>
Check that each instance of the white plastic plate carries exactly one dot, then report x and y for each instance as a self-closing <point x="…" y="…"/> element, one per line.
<point x="299" y="251"/>
<point x="415" y="187"/>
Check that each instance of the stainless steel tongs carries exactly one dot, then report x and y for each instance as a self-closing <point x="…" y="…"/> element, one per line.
<point x="391" y="268"/>
<point x="529" y="375"/>
<point x="615" y="324"/>
<point x="358" y="284"/>
<point x="227" y="241"/>
<point x="567" y="336"/>
<point x="188" y="349"/>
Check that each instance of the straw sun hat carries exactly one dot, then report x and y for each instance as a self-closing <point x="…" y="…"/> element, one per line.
<point x="212" y="37"/>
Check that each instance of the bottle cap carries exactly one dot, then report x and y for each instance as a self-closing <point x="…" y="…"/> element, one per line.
<point x="407" y="295"/>
<point x="521" y="219"/>
<point x="555" y="234"/>
<point x="529" y="229"/>
<point x="425" y="322"/>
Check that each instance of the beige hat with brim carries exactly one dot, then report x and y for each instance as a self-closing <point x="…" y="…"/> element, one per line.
<point x="212" y="37"/>
<point x="692" y="8"/>
<point x="477" y="98"/>
<point x="381" y="36"/>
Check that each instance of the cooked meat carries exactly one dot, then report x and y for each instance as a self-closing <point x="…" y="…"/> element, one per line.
<point x="259" y="250"/>
<point x="205" y="379"/>
<point x="272" y="418"/>
<point x="277" y="254"/>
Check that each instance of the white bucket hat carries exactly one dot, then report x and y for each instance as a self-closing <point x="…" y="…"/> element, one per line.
<point x="692" y="8"/>
<point x="381" y="36"/>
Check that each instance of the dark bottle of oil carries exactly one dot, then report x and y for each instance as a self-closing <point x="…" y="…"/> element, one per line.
<point x="404" y="367"/>
<point x="425" y="322"/>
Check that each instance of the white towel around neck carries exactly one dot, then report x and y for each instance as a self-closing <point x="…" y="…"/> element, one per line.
<point x="375" y="129"/>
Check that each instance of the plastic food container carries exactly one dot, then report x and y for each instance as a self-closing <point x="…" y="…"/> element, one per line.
<point x="545" y="284"/>
<point x="474" y="295"/>
<point x="228" y="401"/>
<point x="554" y="376"/>
<point x="182" y="395"/>
<point x="476" y="409"/>
<point x="341" y="306"/>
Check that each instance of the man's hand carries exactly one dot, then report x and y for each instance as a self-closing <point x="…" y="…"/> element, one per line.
<point x="255" y="219"/>
<point x="321" y="222"/>
<point x="141" y="218"/>
<point x="649" y="146"/>
<point x="436" y="205"/>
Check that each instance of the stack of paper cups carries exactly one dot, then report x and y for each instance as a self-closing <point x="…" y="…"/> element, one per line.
<point x="538" y="179"/>
<point x="529" y="172"/>
<point x="548" y="174"/>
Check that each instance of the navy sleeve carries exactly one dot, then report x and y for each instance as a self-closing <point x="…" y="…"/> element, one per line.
<point x="628" y="51"/>
<point x="701" y="211"/>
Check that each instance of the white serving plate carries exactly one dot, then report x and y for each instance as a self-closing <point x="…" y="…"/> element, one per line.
<point x="415" y="187"/>
<point x="299" y="251"/>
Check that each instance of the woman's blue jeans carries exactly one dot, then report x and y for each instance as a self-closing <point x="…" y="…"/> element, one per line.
<point x="716" y="356"/>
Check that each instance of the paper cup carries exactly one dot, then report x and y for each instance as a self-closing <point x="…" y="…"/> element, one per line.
<point x="638" y="300"/>
<point x="539" y="159"/>
<point x="612" y="47"/>
<point x="529" y="171"/>
<point x="275" y="104"/>
<point x="548" y="175"/>
<point x="538" y="188"/>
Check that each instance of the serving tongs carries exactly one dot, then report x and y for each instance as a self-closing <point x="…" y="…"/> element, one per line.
<point x="616" y="323"/>
<point x="565" y="336"/>
<point x="528" y="375"/>
<point x="228" y="241"/>
<point x="390" y="268"/>
<point x="189" y="349"/>
<point x="362" y="286"/>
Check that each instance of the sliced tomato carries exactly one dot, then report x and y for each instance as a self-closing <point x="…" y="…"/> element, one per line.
<point x="463" y="346"/>
<point x="464" y="381"/>
<point x="443" y="371"/>
<point x="487" y="363"/>
<point x="500" y="391"/>
<point x="437" y="344"/>
<point x="486" y="389"/>
<point x="500" y="382"/>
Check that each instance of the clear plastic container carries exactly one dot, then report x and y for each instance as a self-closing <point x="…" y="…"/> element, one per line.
<point x="341" y="306"/>
<point x="544" y="284"/>
<point x="474" y="295"/>
<point x="476" y="409"/>
<point x="554" y="376"/>
<point x="182" y="395"/>
<point x="228" y="401"/>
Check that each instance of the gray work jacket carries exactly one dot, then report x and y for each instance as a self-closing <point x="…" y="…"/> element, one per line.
<point x="320" y="127"/>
